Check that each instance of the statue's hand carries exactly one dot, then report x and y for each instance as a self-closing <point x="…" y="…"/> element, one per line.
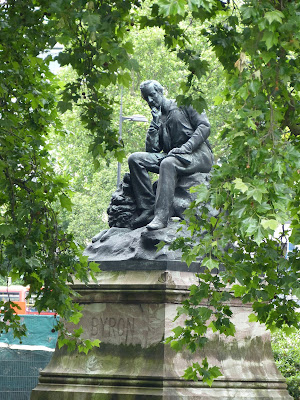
<point x="156" y="114"/>
<point x="176" y="150"/>
<point x="179" y="150"/>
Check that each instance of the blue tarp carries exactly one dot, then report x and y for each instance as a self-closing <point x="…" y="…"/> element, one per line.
<point x="40" y="330"/>
<point x="20" y="364"/>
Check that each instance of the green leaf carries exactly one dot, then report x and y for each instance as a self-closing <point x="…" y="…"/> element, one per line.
<point x="280" y="168"/>
<point x="199" y="68"/>
<point x="248" y="12"/>
<point x="263" y="207"/>
<point x="239" y="209"/>
<point x="218" y="100"/>
<point x="160" y="245"/>
<point x="34" y="262"/>
<point x="256" y="193"/>
<point x="202" y="193"/>
<point x="128" y="46"/>
<point x="215" y="372"/>
<point x="124" y="79"/>
<point x="275" y="15"/>
<point x="65" y="202"/>
<point x="239" y="290"/>
<point x="92" y="20"/>
<point x="267" y="56"/>
<point x="252" y="318"/>
<point x="190" y="374"/>
<point x="199" y="104"/>
<point x="251" y="124"/>
<point x="177" y="345"/>
<point x="94" y="267"/>
<point x="240" y="185"/>
<point x="188" y="258"/>
<point x="75" y="318"/>
<point x="210" y="263"/>
<point x="78" y="332"/>
<point x="250" y="225"/>
<point x="269" y="223"/>
<point x="120" y="154"/>
<point x="180" y="311"/>
<point x="60" y="342"/>
<point x="296" y="292"/>
<point x="178" y="331"/>
<point x="244" y="92"/>
<point x="63" y="106"/>
<point x="96" y="163"/>
<point x="206" y="4"/>
<point x="6" y="230"/>
<point x="288" y="330"/>
<point x="208" y="374"/>
<point x="295" y="235"/>
<point x="204" y="312"/>
<point x="172" y="7"/>
<point x="259" y="235"/>
<point x="262" y="23"/>
<point x="212" y="326"/>
<point x="271" y="39"/>
<point x="96" y="343"/>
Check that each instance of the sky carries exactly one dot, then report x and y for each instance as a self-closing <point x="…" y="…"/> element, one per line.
<point x="54" y="65"/>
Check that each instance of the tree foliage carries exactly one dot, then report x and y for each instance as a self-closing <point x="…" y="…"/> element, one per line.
<point x="33" y="247"/>
<point x="286" y="351"/>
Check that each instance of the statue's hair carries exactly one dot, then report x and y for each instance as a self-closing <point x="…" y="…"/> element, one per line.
<point x="157" y="86"/>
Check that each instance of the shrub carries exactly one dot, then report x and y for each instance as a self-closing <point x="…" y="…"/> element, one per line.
<point x="286" y="351"/>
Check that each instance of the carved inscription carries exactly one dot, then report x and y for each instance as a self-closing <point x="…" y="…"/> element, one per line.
<point x="112" y="327"/>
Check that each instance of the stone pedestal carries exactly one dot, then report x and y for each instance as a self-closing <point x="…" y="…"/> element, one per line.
<point x="131" y="312"/>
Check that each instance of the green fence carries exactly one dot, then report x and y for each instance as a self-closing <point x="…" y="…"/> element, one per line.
<point x="19" y="372"/>
<point x="20" y="364"/>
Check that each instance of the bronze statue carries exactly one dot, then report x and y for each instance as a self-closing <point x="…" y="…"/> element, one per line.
<point x="176" y="145"/>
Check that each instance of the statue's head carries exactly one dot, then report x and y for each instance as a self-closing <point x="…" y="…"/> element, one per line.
<point x="153" y="92"/>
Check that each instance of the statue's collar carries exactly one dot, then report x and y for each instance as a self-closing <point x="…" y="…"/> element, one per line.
<point x="168" y="106"/>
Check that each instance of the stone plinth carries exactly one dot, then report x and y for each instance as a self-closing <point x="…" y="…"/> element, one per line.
<point x="131" y="312"/>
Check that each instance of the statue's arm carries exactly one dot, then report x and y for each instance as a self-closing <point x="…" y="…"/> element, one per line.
<point x="202" y="130"/>
<point x="152" y="138"/>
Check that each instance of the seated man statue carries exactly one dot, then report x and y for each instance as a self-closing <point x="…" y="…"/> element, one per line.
<point x="176" y="145"/>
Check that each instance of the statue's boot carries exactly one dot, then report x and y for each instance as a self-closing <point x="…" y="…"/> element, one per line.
<point x="157" y="223"/>
<point x="143" y="219"/>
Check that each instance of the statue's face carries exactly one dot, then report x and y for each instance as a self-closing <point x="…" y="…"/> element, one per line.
<point x="152" y="96"/>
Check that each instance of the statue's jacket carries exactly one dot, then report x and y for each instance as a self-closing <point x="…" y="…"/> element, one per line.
<point x="186" y="129"/>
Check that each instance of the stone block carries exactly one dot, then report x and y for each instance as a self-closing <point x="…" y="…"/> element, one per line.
<point x="131" y="312"/>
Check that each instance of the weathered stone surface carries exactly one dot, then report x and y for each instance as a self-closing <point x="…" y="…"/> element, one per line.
<point x="131" y="312"/>
<point x="119" y="244"/>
